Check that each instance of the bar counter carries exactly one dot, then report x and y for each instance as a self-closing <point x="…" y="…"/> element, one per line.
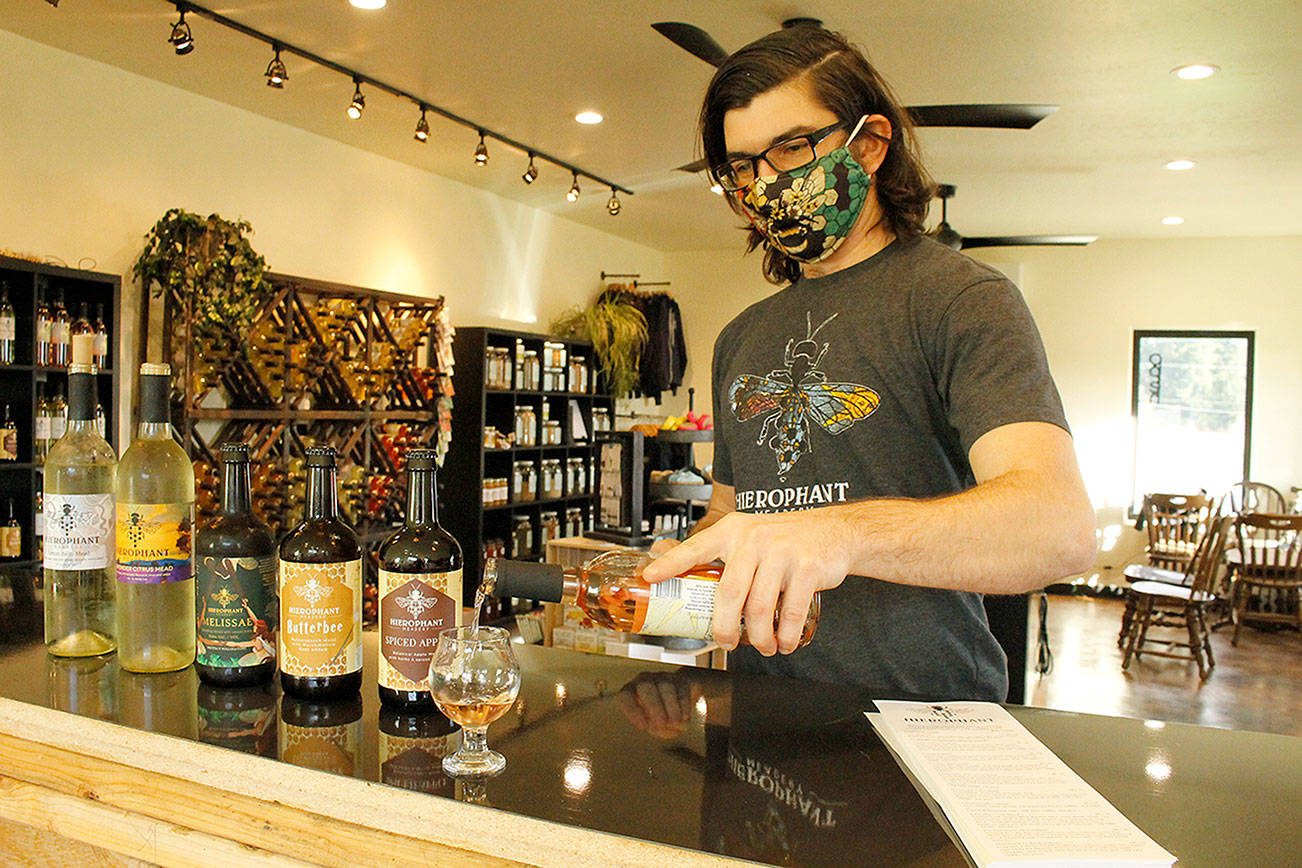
<point x="764" y="770"/>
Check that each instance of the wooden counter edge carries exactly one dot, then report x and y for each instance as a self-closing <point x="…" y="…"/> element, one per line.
<point x="181" y="796"/>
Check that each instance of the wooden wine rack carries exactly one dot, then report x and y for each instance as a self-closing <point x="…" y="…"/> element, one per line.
<point x="322" y="364"/>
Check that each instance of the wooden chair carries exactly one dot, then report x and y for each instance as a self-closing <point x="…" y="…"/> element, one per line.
<point x="1270" y="558"/>
<point x="1253" y="497"/>
<point x="1176" y="523"/>
<point x="1162" y="605"/>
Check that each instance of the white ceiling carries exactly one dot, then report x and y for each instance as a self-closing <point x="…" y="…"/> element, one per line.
<point x="525" y="68"/>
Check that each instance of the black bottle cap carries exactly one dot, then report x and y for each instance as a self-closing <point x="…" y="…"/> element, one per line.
<point x="235" y="453"/>
<point x="526" y="579"/>
<point x="320" y="456"/>
<point x="422" y="459"/>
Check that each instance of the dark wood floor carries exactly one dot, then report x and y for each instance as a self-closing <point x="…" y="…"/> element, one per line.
<point x="1256" y="686"/>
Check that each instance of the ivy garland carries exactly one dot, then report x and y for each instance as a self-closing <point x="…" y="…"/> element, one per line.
<point x="209" y="260"/>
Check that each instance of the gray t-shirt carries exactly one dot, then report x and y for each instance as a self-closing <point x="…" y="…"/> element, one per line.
<point x="875" y="381"/>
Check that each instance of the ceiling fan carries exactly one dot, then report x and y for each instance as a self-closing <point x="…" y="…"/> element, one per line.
<point x="945" y="234"/>
<point x="1010" y="116"/>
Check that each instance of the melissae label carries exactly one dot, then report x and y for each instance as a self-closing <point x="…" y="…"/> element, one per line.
<point x="234" y="610"/>
<point x="153" y="542"/>
<point x="414" y="607"/>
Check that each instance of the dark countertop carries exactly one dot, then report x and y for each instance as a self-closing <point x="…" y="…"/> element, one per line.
<point x="765" y="769"/>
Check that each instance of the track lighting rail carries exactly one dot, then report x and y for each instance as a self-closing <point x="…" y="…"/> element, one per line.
<point x="422" y="104"/>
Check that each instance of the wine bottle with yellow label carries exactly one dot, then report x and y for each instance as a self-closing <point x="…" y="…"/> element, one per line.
<point x="420" y="590"/>
<point x="320" y="589"/>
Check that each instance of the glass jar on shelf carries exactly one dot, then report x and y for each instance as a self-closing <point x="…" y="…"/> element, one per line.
<point x="503" y="491"/>
<point x="551" y="479"/>
<point x="521" y="537"/>
<point x="549" y="527"/>
<point x="578" y="369"/>
<point x="578" y="476"/>
<point x="601" y="421"/>
<point x="574" y="521"/>
<point x="551" y="433"/>
<point x="532" y="371"/>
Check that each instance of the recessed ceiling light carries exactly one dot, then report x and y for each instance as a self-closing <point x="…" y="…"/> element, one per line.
<point x="368" y="4"/>
<point x="1195" y="71"/>
<point x="1180" y="165"/>
<point x="589" y="117"/>
<point x="1172" y="221"/>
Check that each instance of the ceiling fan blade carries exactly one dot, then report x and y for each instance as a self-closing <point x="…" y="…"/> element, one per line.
<point x="1009" y="116"/>
<point x="1029" y="241"/>
<point x="693" y="167"/>
<point x="692" y="39"/>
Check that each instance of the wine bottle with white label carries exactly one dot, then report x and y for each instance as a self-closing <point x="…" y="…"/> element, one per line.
<point x="420" y="590"/>
<point x="611" y="591"/>
<point x="320" y="585"/>
<point x="235" y="585"/>
<point x="155" y="552"/>
<point x="78" y="558"/>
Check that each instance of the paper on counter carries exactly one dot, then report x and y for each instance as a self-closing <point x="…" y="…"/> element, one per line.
<point x="1009" y="799"/>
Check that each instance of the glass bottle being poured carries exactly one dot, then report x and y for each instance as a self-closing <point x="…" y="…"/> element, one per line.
<point x="611" y="591"/>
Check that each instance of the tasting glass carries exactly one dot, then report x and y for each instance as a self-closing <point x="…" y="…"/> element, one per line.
<point x="474" y="679"/>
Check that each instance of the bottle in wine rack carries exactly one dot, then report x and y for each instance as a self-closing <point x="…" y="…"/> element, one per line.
<point x="78" y="558"/>
<point x="44" y="330"/>
<point x="11" y="536"/>
<point x="60" y="333"/>
<point x="235" y="585"/>
<point x="58" y="414"/>
<point x="155" y="519"/>
<point x="101" y="338"/>
<point x="8" y="328"/>
<point x="41" y="441"/>
<point x="8" y="436"/>
<point x="320" y="590"/>
<point x="420" y="589"/>
<point x="611" y="591"/>
<point x="81" y="325"/>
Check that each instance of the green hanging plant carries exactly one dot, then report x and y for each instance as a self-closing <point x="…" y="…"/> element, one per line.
<point x="618" y="334"/>
<point x="210" y="261"/>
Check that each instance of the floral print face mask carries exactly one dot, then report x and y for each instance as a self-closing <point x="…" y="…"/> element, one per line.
<point x="807" y="212"/>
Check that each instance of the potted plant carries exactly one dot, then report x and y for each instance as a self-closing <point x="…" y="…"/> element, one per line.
<point x="618" y="333"/>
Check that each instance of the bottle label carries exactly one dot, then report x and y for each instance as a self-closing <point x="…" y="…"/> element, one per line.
<point x="100" y="344"/>
<point x="8" y="443"/>
<point x="681" y="606"/>
<point x="234" y="607"/>
<point x="414" y="607"/>
<point x="42" y="427"/>
<point x="7" y="330"/>
<point x="153" y="542"/>
<point x="80" y="532"/>
<point x="58" y="427"/>
<point x="11" y="542"/>
<point x="320" y="618"/>
<point x="328" y="748"/>
<point x="44" y="330"/>
<point x="61" y="333"/>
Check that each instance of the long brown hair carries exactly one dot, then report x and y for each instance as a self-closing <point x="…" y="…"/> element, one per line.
<point x="843" y="80"/>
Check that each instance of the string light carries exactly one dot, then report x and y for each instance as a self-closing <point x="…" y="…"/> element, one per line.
<point x="481" y="151"/>
<point x="358" y="105"/>
<point x="530" y="174"/>
<point x="181" y="39"/>
<point x="422" y="127"/>
<point x="612" y="205"/>
<point x="573" y="194"/>
<point x="276" y="73"/>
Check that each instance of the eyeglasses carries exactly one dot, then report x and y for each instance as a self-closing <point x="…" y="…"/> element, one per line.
<point x="786" y="156"/>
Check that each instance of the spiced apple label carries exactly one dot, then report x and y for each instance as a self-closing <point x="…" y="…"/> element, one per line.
<point x="413" y="609"/>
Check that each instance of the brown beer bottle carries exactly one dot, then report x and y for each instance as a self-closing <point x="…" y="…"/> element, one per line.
<point x="320" y="585"/>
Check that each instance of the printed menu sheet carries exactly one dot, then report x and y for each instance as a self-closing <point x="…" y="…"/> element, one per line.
<point x="1007" y="797"/>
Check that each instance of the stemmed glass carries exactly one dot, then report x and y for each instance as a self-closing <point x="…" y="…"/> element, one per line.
<point x="474" y="679"/>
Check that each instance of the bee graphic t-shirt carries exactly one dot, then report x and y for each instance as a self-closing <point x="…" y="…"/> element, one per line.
<point x="875" y="381"/>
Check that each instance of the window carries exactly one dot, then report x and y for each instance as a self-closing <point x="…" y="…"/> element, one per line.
<point x="1191" y="399"/>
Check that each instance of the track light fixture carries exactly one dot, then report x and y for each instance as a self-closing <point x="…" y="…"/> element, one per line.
<point x="573" y="194"/>
<point x="181" y="38"/>
<point x="530" y="174"/>
<point x="358" y="105"/>
<point x="276" y="73"/>
<point x="612" y="204"/>
<point x="422" y="127"/>
<point x="481" y="151"/>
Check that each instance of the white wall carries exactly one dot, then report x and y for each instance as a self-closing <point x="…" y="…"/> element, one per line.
<point x="91" y="156"/>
